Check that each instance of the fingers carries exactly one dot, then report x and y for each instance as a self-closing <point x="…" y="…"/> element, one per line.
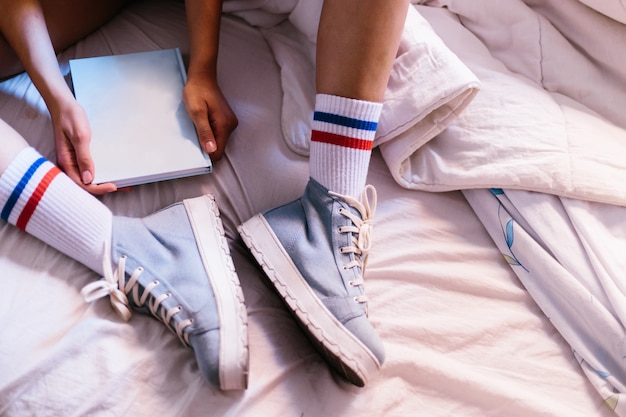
<point x="210" y="113"/>
<point x="84" y="162"/>
<point x="68" y="163"/>
<point x="75" y="132"/>
<point x="206" y="137"/>
<point x="221" y="132"/>
<point x="74" y="158"/>
<point x="211" y="137"/>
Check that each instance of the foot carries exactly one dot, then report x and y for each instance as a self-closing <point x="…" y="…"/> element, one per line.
<point x="313" y="251"/>
<point x="175" y="265"/>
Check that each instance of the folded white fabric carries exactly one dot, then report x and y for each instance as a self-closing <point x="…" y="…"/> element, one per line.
<point x="518" y="133"/>
<point x="428" y="86"/>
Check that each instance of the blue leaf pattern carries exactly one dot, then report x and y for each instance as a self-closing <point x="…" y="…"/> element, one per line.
<point x="509" y="233"/>
<point x="508" y="224"/>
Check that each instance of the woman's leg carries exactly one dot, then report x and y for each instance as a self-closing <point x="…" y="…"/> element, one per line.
<point x="148" y="255"/>
<point x="357" y="43"/>
<point x="69" y="218"/>
<point x="314" y="249"/>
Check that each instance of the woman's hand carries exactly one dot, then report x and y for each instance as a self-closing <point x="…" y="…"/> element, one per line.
<point x="72" y="136"/>
<point x="210" y="113"/>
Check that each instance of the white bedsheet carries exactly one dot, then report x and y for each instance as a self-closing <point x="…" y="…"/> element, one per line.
<point x="463" y="337"/>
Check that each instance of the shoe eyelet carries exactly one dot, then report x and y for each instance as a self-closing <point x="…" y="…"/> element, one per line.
<point x="356" y="300"/>
<point x="350" y="283"/>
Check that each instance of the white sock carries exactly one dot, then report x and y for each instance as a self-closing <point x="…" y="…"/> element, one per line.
<point x="37" y="197"/>
<point x="342" y="135"/>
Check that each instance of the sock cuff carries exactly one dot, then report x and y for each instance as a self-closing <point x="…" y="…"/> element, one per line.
<point x="23" y="184"/>
<point x="342" y="137"/>
<point x="345" y="117"/>
<point x="368" y="111"/>
<point x="38" y="198"/>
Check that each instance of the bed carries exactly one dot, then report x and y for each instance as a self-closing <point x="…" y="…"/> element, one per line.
<point x="498" y="239"/>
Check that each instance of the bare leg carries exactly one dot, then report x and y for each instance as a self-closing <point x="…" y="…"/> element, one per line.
<point x="68" y="21"/>
<point x="11" y="144"/>
<point x="357" y="43"/>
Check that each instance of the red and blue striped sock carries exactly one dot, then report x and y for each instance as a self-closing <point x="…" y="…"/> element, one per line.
<point x="342" y="135"/>
<point x="38" y="198"/>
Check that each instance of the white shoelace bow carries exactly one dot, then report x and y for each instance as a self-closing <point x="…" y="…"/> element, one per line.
<point x="114" y="284"/>
<point x="361" y="230"/>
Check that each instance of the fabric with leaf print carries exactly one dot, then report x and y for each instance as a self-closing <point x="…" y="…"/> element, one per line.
<point x="569" y="255"/>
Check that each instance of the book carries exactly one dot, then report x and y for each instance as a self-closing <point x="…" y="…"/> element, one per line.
<point x="140" y="129"/>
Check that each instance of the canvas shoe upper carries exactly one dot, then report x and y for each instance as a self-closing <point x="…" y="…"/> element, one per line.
<point x="175" y="265"/>
<point x="314" y="250"/>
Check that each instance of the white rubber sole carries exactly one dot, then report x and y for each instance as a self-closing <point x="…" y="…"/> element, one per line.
<point x="344" y="351"/>
<point x="208" y="230"/>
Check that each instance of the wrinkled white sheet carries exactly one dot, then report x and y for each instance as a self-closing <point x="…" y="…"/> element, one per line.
<point x="463" y="337"/>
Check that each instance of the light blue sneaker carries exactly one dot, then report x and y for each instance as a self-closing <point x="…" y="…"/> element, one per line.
<point x="313" y="250"/>
<point x="175" y="265"/>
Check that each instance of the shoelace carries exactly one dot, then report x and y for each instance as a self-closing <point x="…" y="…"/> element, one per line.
<point x="114" y="284"/>
<point x="361" y="230"/>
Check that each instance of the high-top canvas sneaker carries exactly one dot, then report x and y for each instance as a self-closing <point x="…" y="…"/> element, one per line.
<point x="175" y="265"/>
<point x="313" y="250"/>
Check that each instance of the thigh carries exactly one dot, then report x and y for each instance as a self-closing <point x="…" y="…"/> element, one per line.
<point x="71" y="20"/>
<point x="68" y="21"/>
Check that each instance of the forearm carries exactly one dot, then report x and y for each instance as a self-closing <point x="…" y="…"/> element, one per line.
<point x="203" y="20"/>
<point x="24" y="27"/>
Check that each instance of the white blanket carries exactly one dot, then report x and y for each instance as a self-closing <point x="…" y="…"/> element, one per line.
<point x="549" y="115"/>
